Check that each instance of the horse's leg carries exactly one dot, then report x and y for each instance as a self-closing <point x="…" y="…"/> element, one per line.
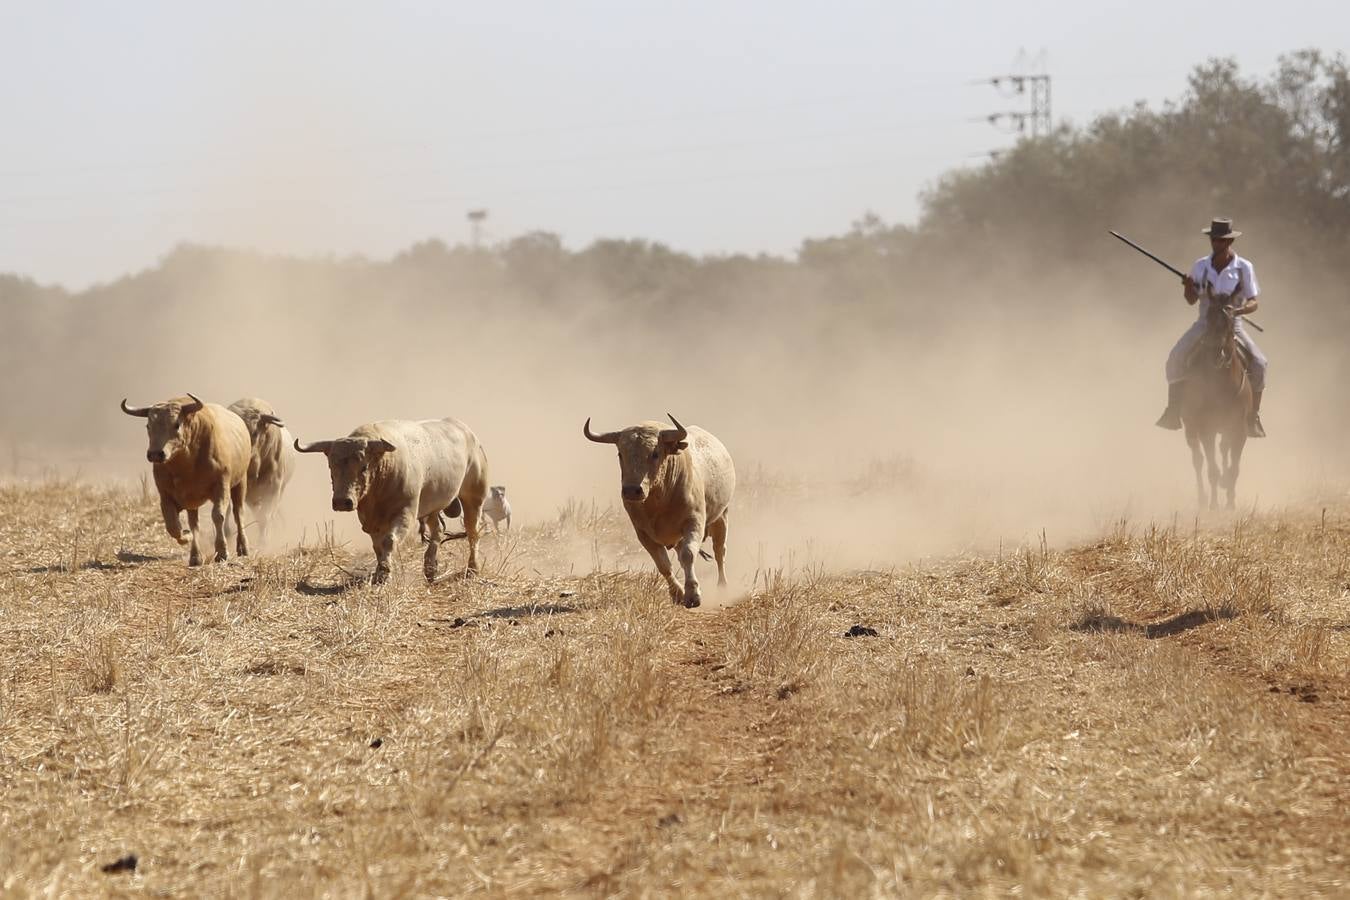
<point x="1198" y="461"/>
<point x="1239" y="441"/>
<point x="1212" y="464"/>
<point x="1225" y="456"/>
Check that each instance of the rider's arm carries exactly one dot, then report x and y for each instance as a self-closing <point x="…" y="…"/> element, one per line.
<point x="1248" y="308"/>
<point x="1190" y="290"/>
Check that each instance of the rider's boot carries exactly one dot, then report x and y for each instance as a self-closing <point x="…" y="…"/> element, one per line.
<point x="1254" y="427"/>
<point x="1171" y="417"/>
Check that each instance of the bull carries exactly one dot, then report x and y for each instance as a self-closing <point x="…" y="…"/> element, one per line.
<point x="199" y="452"/>
<point x="397" y="472"/>
<point x="676" y="487"/>
<point x="272" y="463"/>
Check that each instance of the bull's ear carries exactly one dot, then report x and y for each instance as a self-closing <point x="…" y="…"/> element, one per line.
<point x="682" y="445"/>
<point x="381" y="446"/>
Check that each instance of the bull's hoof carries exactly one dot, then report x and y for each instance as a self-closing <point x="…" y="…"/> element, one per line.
<point x="380" y="576"/>
<point x="430" y="573"/>
<point x="692" y="601"/>
<point x="194" y="561"/>
<point x="221" y="557"/>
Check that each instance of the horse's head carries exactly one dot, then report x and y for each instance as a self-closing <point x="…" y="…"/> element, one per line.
<point x="1219" y="343"/>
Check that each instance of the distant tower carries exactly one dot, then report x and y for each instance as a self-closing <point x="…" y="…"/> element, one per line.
<point x="476" y="219"/>
<point x="1029" y="79"/>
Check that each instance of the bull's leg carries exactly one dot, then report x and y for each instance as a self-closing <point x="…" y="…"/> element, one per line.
<point x="688" y="552"/>
<point x="384" y="544"/>
<point x="218" y="520"/>
<point x="172" y="521"/>
<point x="1198" y="462"/>
<point x="194" y="550"/>
<point x="661" y="557"/>
<point x="265" y="515"/>
<point x="718" y="532"/>
<point x="237" y="508"/>
<point x="262" y="508"/>
<point x="431" y="530"/>
<point x="473" y="516"/>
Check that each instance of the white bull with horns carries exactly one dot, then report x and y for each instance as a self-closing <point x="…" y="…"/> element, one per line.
<point x="676" y="487"/>
<point x="397" y="472"/>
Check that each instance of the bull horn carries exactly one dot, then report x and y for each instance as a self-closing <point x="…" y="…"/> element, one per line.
<point x="195" y="406"/>
<point x="316" y="447"/>
<point x="142" y="412"/>
<point x="609" y="437"/>
<point x="682" y="431"/>
<point x="269" y="419"/>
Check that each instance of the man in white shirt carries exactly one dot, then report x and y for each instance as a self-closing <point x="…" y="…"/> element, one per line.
<point x="1222" y="277"/>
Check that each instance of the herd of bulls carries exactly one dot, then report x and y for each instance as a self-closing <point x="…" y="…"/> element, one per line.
<point x="677" y="482"/>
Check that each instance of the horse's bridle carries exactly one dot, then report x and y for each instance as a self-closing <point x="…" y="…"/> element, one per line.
<point x="1227" y="340"/>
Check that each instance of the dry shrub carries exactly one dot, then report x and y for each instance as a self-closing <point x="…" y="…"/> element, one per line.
<point x="1028" y="571"/>
<point x="1310" y="645"/>
<point x="778" y="639"/>
<point x="558" y="712"/>
<point x="922" y="710"/>
<point x="100" y="667"/>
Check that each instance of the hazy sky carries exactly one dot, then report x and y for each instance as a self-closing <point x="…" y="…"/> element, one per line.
<point x="337" y="128"/>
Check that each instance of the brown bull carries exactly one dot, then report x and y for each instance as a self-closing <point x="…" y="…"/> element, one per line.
<point x="200" y="452"/>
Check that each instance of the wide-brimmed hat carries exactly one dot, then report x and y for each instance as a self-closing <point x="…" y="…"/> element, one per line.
<point x="1221" y="228"/>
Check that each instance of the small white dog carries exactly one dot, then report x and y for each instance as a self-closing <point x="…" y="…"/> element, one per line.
<point x="497" y="508"/>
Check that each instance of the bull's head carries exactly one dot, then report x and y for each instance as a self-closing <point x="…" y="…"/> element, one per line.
<point x="350" y="461"/>
<point x="164" y="425"/>
<point x="257" y="422"/>
<point x="643" y="450"/>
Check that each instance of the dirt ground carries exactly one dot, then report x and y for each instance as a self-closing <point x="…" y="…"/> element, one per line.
<point x="1163" y="711"/>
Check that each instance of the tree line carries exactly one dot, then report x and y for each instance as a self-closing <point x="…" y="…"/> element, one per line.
<point x="1019" y="239"/>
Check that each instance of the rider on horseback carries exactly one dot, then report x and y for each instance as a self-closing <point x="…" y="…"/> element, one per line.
<point x="1226" y="278"/>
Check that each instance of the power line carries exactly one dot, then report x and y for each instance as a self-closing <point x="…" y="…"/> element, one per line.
<point x="1034" y="87"/>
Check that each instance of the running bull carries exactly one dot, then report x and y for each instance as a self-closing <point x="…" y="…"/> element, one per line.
<point x="397" y="472"/>
<point x="199" y="453"/>
<point x="676" y="487"/>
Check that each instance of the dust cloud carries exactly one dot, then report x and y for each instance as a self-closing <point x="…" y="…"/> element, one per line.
<point x="869" y="429"/>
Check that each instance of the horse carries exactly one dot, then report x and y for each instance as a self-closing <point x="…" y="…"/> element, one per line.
<point x="1216" y="400"/>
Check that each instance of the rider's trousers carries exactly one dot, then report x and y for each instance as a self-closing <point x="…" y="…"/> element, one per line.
<point x="1176" y="360"/>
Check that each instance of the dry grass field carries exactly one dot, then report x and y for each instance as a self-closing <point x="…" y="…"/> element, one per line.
<point x="1162" y="712"/>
